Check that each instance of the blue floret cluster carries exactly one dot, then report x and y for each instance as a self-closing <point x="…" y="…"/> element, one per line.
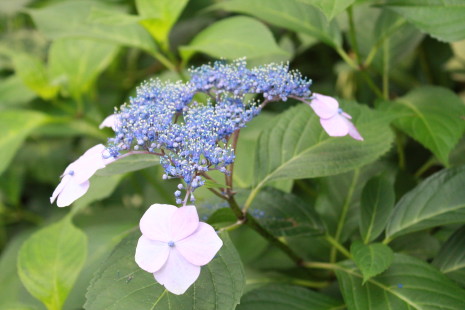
<point x="191" y="134"/>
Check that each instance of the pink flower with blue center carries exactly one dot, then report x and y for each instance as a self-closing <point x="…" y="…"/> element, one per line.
<point x="174" y="245"/>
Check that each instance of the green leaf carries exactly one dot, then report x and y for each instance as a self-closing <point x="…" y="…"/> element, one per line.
<point x="79" y="62"/>
<point x="377" y="202"/>
<point x="432" y="116"/>
<point x="15" y="126"/>
<point x="308" y="152"/>
<point x="294" y="15"/>
<point x="71" y="19"/>
<point x="331" y="8"/>
<point x="13" y="92"/>
<point x="233" y="38"/>
<point x="408" y="284"/>
<point x="121" y="284"/>
<point x="438" y="200"/>
<point x="371" y="259"/>
<point x="428" y="16"/>
<point x="160" y="16"/>
<point x="212" y="184"/>
<point x="286" y="297"/>
<point x="283" y="214"/>
<point x="34" y="75"/>
<point x="128" y="164"/>
<point x="50" y="261"/>
<point x="100" y="187"/>
<point x="451" y="257"/>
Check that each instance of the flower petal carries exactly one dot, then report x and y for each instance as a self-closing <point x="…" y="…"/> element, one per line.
<point x="353" y="132"/>
<point x="200" y="247"/>
<point x="184" y="222"/>
<point x="177" y="274"/>
<point x="324" y="106"/>
<point x="111" y="121"/>
<point x="155" y="224"/>
<point x="60" y="187"/>
<point x="151" y="255"/>
<point x="71" y="192"/>
<point x="86" y="165"/>
<point x="336" y="126"/>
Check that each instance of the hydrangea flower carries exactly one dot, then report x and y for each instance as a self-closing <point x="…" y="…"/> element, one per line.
<point x="111" y="121"/>
<point x="334" y="121"/>
<point x="174" y="244"/>
<point x="75" y="179"/>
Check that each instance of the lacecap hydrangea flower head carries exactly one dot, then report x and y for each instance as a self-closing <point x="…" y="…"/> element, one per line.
<point x="193" y="137"/>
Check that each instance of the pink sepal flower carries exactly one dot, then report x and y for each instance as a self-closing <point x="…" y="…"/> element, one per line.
<point x="75" y="179"/>
<point x="174" y="244"/>
<point x="111" y="121"/>
<point x="334" y="121"/>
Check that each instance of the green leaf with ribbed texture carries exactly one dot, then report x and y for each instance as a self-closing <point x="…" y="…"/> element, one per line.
<point x="121" y="284"/>
<point x="431" y="115"/>
<point x="408" y="284"/>
<point x="160" y="16"/>
<point x="442" y="19"/>
<point x="438" y="200"/>
<point x="371" y="259"/>
<point x="451" y="257"/>
<point x="233" y="38"/>
<point x="50" y="260"/>
<point x="75" y="19"/>
<point x="294" y="15"/>
<point x="296" y="147"/>
<point x="286" y="297"/>
<point x="331" y="8"/>
<point x="284" y="215"/>
<point x="129" y="163"/>
<point x="15" y="126"/>
<point x="78" y="62"/>
<point x="378" y="199"/>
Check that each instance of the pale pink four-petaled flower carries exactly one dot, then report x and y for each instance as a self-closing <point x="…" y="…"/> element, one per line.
<point x="75" y="179"/>
<point x="174" y="244"/>
<point x="334" y="121"/>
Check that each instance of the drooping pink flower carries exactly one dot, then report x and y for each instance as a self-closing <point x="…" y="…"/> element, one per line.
<point x="334" y="121"/>
<point x="174" y="244"/>
<point x="111" y="121"/>
<point x="75" y="179"/>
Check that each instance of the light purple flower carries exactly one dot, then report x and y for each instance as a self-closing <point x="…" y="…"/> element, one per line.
<point x="111" y="121"/>
<point x="174" y="244"/>
<point x="334" y="121"/>
<point x="75" y="179"/>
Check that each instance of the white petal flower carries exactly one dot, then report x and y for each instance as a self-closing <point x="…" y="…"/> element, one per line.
<point x="334" y="121"/>
<point x="75" y="179"/>
<point x="174" y="244"/>
<point x="111" y="121"/>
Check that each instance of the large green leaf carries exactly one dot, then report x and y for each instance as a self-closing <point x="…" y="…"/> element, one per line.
<point x="72" y="19"/>
<point x="331" y="8"/>
<point x="442" y="19"/>
<point x="100" y="187"/>
<point x="79" y="62"/>
<point x="129" y="163"/>
<point x="286" y="297"/>
<point x="50" y="261"/>
<point x="233" y="38"/>
<point x="451" y="258"/>
<point x="294" y="15"/>
<point x="160" y="16"/>
<point x="377" y="202"/>
<point x="408" y="284"/>
<point x="13" y="92"/>
<point x="34" y="75"/>
<point x="284" y="215"/>
<point x="296" y="147"/>
<point x="15" y="126"/>
<point x="432" y="116"/>
<point x="371" y="259"/>
<point x="438" y="200"/>
<point x="121" y="284"/>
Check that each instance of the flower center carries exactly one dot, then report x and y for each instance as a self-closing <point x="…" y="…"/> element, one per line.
<point x="171" y="244"/>
<point x="339" y="111"/>
<point x="71" y="172"/>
